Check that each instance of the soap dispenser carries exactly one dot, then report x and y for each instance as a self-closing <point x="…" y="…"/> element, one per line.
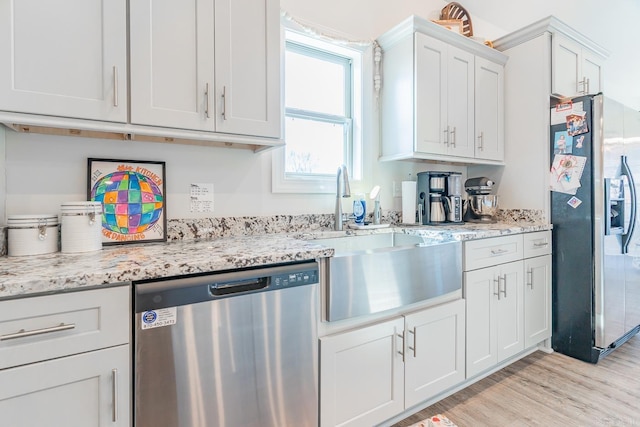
<point x="359" y="209"/>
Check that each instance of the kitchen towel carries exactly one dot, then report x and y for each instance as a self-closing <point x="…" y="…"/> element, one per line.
<point x="409" y="202"/>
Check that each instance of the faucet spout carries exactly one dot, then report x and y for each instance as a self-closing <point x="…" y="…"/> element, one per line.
<point x="342" y="190"/>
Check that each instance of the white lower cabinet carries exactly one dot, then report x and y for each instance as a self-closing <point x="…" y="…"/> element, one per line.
<point x="65" y="359"/>
<point x="494" y="315"/>
<point x="537" y="300"/>
<point x="374" y="373"/>
<point x="507" y="288"/>
<point x="88" y="389"/>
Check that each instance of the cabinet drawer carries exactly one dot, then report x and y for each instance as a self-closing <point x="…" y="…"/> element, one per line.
<point x="487" y="252"/>
<point x="33" y="329"/>
<point x="537" y="244"/>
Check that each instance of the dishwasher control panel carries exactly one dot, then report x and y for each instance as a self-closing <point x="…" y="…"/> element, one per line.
<point x="295" y="278"/>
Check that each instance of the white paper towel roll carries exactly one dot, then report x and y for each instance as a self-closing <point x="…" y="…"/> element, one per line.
<point x="409" y="202"/>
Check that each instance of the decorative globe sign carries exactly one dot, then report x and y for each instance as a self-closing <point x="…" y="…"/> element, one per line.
<point x="132" y="200"/>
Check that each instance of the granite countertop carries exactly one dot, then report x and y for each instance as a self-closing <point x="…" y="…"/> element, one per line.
<point x="21" y="276"/>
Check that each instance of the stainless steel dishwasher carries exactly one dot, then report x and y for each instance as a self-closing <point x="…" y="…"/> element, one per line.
<point x="236" y="348"/>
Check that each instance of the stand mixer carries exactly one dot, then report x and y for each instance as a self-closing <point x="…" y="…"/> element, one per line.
<point x="481" y="205"/>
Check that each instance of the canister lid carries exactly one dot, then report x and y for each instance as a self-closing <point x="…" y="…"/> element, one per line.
<point x="81" y="208"/>
<point x="19" y="221"/>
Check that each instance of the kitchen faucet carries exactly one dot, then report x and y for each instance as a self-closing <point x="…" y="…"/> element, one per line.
<point x="342" y="190"/>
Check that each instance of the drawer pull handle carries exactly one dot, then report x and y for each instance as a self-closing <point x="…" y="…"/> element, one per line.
<point x="498" y="251"/>
<point x="541" y="245"/>
<point x="22" y="333"/>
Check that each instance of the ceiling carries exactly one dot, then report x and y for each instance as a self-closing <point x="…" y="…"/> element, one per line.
<point x="611" y="24"/>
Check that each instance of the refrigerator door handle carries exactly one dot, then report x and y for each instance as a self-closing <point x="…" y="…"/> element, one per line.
<point x="626" y="237"/>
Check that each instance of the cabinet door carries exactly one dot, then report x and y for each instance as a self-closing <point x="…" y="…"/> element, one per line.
<point x="247" y="74"/>
<point x="592" y="66"/>
<point x="489" y="110"/>
<point x="460" y="102"/>
<point x="431" y="95"/>
<point x="537" y="300"/>
<point x="480" y="293"/>
<point x="64" y="58"/>
<point x="509" y="310"/>
<point x="361" y="375"/>
<point x="172" y="63"/>
<point x="435" y="351"/>
<point x="565" y="63"/>
<point x="88" y="389"/>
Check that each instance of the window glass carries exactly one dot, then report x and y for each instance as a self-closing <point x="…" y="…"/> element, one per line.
<point x="313" y="82"/>
<point x="313" y="147"/>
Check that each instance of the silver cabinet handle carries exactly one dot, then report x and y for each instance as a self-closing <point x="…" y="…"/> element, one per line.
<point x="585" y="86"/>
<point x="530" y="278"/>
<point x="497" y="283"/>
<point x="224" y="103"/>
<point x="206" y="100"/>
<point x="114" y="395"/>
<point x="115" y="86"/>
<point x="23" y="334"/>
<point x="541" y="245"/>
<point x="413" y="331"/>
<point x="446" y="136"/>
<point x="401" y="352"/>
<point x="453" y="137"/>
<point x="495" y="252"/>
<point x="504" y="282"/>
<point x="481" y="141"/>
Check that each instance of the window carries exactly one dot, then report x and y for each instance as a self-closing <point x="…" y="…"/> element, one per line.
<point x="322" y="115"/>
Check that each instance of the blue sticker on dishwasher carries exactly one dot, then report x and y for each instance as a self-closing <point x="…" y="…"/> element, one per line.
<point x="158" y="318"/>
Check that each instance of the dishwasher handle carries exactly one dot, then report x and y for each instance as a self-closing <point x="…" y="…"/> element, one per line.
<point x="238" y="286"/>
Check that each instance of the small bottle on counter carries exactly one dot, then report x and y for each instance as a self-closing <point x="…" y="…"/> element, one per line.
<point x="359" y="209"/>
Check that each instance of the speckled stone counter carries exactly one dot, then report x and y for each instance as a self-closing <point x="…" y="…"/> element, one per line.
<point x="21" y="276"/>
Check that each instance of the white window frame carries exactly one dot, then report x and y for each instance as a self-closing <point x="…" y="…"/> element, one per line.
<point x="322" y="184"/>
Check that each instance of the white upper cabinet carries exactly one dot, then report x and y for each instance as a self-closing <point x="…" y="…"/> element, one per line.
<point x="576" y="70"/>
<point x="211" y="65"/>
<point x="247" y="73"/>
<point x="444" y="97"/>
<point x="172" y="65"/>
<point x="64" y="58"/>
<point x="489" y="111"/>
<point x="460" y="104"/>
<point x="433" y="94"/>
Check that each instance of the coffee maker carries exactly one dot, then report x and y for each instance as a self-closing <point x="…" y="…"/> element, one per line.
<point x="439" y="197"/>
<point x="481" y="205"/>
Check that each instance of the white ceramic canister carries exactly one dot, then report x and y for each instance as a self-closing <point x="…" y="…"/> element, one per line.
<point x="32" y="234"/>
<point x="81" y="226"/>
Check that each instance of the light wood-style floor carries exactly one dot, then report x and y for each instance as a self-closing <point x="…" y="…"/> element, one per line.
<point x="550" y="390"/>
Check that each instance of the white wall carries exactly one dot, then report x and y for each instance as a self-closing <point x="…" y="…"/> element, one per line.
<point x="44" y="171"/>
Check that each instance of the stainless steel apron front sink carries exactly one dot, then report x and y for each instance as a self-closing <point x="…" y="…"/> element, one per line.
<point x="378" y="272"/>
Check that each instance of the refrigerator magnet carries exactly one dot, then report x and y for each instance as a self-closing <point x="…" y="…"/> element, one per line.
<point x="574" y="202"/>
<point x="577" y="124"/>
<point x="579" y="141"/>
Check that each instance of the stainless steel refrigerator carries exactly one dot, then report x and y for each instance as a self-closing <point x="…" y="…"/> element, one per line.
<point x="595" y="155"/>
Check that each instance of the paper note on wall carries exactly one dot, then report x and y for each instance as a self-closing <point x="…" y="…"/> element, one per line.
<point x="201" y="197"/>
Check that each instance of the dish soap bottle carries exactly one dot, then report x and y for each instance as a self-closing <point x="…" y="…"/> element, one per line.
<point x="359" y="209"/>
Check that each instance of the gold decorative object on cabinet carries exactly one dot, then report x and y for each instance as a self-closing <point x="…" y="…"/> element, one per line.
<point x="454" y="10"/>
